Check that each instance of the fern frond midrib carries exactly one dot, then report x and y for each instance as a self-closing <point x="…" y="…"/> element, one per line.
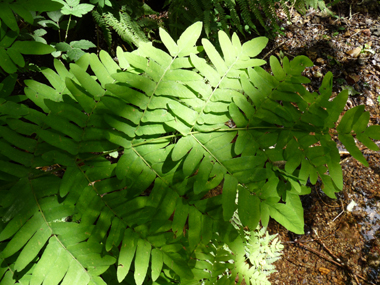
<point x="153" y="92"/>
<point x="212" y="93"/>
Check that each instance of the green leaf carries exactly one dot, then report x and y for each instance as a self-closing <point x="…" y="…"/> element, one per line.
<point x="229" y="51"/>
<point x="248" y="208"/>
<point x="168" y="42"/>
<point x="183" y="112"/>
<point x="30" y="47"/>
<point x="82" y="44"/>
<point x="203" y="175"/>
<point x="215" y="57"/>
<point x="157" y="263"/>
<point x="142" y="260"/>
<point x="182" y="147"/>
<point x="349" y="118"/>
<point x="180" y="217"/>
<point x="205" y="69"/>
<point x="176" y="262"/>
<point x="23" y="236"/>
<point x="121" y="125"/>
<point x="123" y="110"/>
<point x="32" y="248"/>
<point x="123" y="62"/>
<point x="16" y="57"/>
<point x="195" y="227"/>
<point x="336" y="108"/>
<point x="116" y="234"/>
<point x="59" y="141"/>
<point x="373" y="132"/>
<point x="77" y="10"/>
<point x="188" y="39"/>
<point x="350" y="145"/>
<point x="53" y="265"/>
<point x="127" y="252"/>
<point x="277" y="70"/>
<point x="237" y="116"/>
<point x="287" y="216"/>
<point x="6" y="62"/>
<point x="230" y="186"/>
<point x="367" y="142"/>
<point x="7" y="16"/>
<point x="253" y="47"/>
<point x="87" y="81"/>
<point x="192" y="160"/>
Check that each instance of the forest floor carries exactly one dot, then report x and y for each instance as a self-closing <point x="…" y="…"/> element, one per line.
<point x="341" y="245"/>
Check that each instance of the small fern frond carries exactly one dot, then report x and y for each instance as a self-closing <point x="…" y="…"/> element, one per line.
<point x="120" y="19"/>
<point x="102" y="24"/>
<point x="231" y="5"/>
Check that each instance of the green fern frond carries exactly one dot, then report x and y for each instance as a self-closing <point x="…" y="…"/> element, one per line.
<point x="123" y="18"/>
<point x="234" y="16"/>
<point x="102" y="24"/>
<point x="224" y="13"/>
<point x="138" y="145"/>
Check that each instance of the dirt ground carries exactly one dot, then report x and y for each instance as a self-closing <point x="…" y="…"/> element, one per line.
<point x="340" y="246"/>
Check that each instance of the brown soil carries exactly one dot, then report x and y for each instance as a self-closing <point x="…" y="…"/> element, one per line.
<point x="340" y="246"/>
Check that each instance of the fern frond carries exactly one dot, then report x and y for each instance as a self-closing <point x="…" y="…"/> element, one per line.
<point x="140" y="144"/>
<point x="120" y="19"/>
<point x="101" y="22"/>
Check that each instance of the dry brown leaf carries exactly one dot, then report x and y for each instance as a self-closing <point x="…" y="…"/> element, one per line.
<point x="323" y="270"/>
<point x="354" y="52"/>
<point x="355" y="77"/>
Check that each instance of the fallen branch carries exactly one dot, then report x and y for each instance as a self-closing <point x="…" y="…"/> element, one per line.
<point x="342" y="265"/>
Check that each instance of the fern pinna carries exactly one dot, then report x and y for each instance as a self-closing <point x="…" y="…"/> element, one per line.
<point x="136" y="146"/>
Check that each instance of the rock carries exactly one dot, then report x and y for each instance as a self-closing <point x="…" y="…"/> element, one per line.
<point x="369" y="102"/>
<point x="368" y="22"/>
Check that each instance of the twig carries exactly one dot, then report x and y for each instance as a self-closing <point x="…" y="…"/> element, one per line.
<point x="272" y="50"/>
<point x="342" y="265"/>
<point x="298" y="263"/>
<point x="326" y="248"/>
<point x="320" y="254"/>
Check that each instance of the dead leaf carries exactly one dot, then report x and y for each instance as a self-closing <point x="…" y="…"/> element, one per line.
<point x="366" y="32"/>
<point x="323" y="270"/>
<point x="355" y="77"/>
<point x="354" y="52"/>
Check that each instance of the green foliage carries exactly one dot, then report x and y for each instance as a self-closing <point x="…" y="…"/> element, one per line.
<point x="135" y="149"/>
<point x="241" y="15"/>
<point x="255" y="253"/>
<point x="72" y="51"/>
<point x="12" y="49"/>
<point x="126" y="18"/>
<point x="303" y="5"/>
<point x="75" y="8"/>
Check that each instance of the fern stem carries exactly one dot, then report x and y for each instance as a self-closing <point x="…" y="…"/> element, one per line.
<point x="68" y="26"/>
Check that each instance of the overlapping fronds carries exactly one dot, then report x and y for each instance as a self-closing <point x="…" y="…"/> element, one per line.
<point x="136" y="147"/>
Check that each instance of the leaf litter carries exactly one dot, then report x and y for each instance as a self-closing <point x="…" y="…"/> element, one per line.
<point x="339" y="246"/>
